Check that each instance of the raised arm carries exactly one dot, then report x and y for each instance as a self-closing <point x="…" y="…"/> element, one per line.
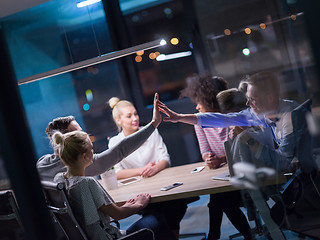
<point x="176" y="117"/>
<point x="105" y="160"/>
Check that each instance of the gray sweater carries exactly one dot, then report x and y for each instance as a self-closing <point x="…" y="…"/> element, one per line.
<point x="49" y="165"/>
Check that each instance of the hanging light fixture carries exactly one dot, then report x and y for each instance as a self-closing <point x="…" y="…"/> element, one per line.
<point x="86" y="3"/>
<point x="93" y="61"/>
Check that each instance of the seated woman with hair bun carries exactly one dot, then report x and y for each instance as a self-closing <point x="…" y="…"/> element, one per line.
<point x="92" y="204"/>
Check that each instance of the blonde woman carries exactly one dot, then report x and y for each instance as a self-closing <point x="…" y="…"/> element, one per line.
<point x="92" y="205"/>
<point x="149" y="159"/>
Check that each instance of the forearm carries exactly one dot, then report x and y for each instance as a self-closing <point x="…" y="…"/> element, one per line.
<point x="118" y="213"/>
<point x="162" y="165"/>
<point x="187" y="118"/>
<point x="128" y="211"/>
<point x="126" y="173"/>
<point x="105" y="160"/>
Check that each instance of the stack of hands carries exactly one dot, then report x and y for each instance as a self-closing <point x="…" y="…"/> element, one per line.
<point x="149" y="170"/>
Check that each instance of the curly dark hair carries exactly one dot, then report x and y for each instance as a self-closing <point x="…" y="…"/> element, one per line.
<point x="204" y="89"/>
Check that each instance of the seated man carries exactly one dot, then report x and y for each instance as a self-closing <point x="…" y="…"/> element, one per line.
<point x="267" y="111"/>
<point x="49" y="165"/>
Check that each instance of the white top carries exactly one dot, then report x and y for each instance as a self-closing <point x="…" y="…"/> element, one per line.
<point x="151" y="150"/>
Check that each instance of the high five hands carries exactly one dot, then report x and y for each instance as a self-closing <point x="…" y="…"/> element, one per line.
<point x="176" y="117"/>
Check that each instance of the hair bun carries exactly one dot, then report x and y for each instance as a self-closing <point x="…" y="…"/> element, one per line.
<point x="58" y="138"/>
<point x="113" y="102"/>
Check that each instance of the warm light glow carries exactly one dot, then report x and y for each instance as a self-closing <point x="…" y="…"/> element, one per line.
<point x="86" y="3"/>
<point x="163" y="42"/>
<point x="157" y="54"/>
<point x="247" y="31"/>
<point x="138" y="58"/>
<point x="92" y="138"/>
<point x="227" y="32"/>
<point x="293" y="17"/>
<point x="163" y="57"/>
<point x="152" y="55"/>
<point x="140" y="53"/>
<point x="174" y="41"/>
<point x="263" y="26"/>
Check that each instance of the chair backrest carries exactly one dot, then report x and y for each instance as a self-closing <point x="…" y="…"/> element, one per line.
<point x="58" y="204"/>
<point x="227" y="148"/>
<point x="10" y="223"/>
<point x="303" y="137"/>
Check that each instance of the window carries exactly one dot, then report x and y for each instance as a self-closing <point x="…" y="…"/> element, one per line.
<point x="55" y="34"/>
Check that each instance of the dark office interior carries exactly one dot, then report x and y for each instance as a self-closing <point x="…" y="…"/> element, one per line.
<point x="232" y="39"/>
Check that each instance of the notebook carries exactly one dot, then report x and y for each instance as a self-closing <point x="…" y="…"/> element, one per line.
<point x="225" y="176"/>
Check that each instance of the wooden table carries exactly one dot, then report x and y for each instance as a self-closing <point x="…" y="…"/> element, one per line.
<point x="194" y="184"/>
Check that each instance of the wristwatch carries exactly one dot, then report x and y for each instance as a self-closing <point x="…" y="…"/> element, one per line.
<point x="250" y="142"/>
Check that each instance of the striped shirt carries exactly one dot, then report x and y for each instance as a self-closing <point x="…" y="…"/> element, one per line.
<point x="212" y="140"/>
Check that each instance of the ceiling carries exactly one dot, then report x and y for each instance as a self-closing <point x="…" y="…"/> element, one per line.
<point x="8" y="7"/>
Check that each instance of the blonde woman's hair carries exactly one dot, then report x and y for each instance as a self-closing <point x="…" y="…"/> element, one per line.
<point x="117" y="105"/>
<point x="70" y="145"/>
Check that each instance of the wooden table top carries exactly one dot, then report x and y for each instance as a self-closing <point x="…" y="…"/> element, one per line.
<point x="194" y="184"/>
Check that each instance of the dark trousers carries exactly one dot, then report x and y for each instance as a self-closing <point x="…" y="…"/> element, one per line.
<point x="228" y="203"/>
<point x="173" y="211"/>
<point x="155" y="222"/>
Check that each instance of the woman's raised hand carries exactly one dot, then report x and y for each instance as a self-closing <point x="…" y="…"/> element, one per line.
<point x="156" y="118"/>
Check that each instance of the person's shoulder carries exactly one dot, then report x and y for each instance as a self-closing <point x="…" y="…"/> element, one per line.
<point x="87" y="180"/>
<point x="91" y="182"/>
<point x="81" y="182"/>
<point x="117" y="137"/>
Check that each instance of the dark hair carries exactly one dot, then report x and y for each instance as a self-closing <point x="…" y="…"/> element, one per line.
<point x="265" y="82"/>
<point x="204" y="89"/>
<point x="60" y="124"/>
<point x="231" y="100"/>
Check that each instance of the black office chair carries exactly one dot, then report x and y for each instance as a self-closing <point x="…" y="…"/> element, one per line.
<point x="298" y="209"/>
<point x="58" y="204"/>
<point x="10" y="223"/>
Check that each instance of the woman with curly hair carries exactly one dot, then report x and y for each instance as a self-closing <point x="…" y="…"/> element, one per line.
<point x="211" y="94"/>
<point x="203" y="91"/>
